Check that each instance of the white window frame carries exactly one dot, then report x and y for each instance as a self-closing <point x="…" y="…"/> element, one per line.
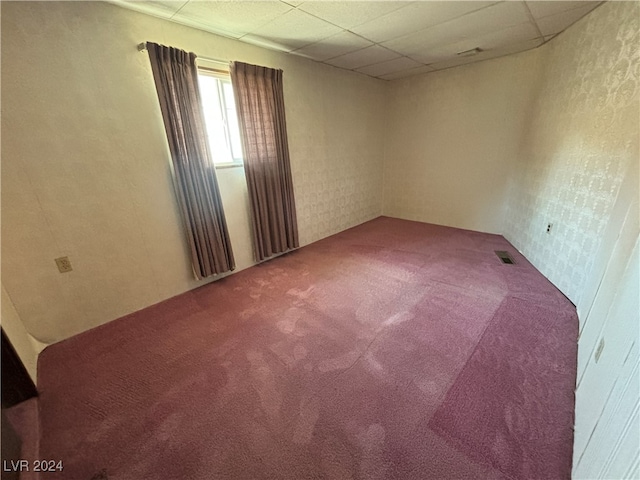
<point x="222" y="76"/>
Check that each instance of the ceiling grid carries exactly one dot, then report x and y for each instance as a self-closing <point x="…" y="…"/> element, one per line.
<point x="382" y="39"/>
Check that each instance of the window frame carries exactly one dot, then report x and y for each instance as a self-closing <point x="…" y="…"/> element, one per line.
<point x="223" y="76"/>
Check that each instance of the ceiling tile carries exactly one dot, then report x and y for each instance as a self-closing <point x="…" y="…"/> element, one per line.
<point x="232" y="19"/>
<point x="390" y="66"/>
<point x="157" y="8"/>
<point x="498" y="52"/>
<point x="414" y="17"/>
<point x="559" y="22"/>
<point x="470" y="26"/>
<point x="410" y="33"/>
<point x="293" y="30"/>
<point x="491" y="41"/>
<point x="507" y="36"/>
<point x="425" y="40"/>
<point x="438" y="54"/>
<point x="498" y="16"/>
<point x="364" y="57"/>
<point x="340" y="44"/>
<point x="541" y="9"/>
<point x="456" y="62"/>
<point x="407" y="73"/>
<point x="350" y="14"/>
<point x="514" y="48"/>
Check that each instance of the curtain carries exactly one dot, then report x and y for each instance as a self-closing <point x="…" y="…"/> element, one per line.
<point x="260" y="105"/>
<point x="176" y="79"/>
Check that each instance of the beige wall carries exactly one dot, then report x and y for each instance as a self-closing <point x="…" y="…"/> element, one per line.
<point x="453" y="138"/>
<point x="582" y="138"/>
<point x="578" y="169"/>
<point x="85" y="166"/>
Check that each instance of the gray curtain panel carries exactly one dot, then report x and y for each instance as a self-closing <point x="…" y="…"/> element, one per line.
<point x="176" y="78"/>
<point x="260" y="105"/>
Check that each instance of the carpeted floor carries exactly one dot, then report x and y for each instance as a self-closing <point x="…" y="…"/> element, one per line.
<point x="393" y="350"/>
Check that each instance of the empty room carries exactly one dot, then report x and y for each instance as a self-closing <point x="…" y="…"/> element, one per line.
<point x="320" y="240"/>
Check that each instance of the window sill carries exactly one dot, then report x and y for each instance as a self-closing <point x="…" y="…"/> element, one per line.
<point x="228" y="165"/>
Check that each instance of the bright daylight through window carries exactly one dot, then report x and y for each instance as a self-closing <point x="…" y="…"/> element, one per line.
<point x="220" y="118"/>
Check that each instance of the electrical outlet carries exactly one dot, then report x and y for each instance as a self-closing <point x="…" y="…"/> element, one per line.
<point x="549" y="225"/>
<point x="599" y="349"/>
<point x="64" y="264"/>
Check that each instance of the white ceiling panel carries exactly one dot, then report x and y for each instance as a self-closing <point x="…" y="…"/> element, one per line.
<point x="350" y="14"/>
<point x="364" y="57"/>
<point x="295" y="29"/>
<point x="513" y="48"/>
<point x="407" y="73"/>
<point x="556" y="23"/>
<point x="507" y="36"/>
<point x="428" y="39"/>
<point x="491" y="41"/>
<point x="232" y="19"/>
<point x="495" y="17"/>
<point x="499" y="52"/>
<point x="417" y="16"/>
<point x="439" y="54"/>
<point x="544" y="8"/>
<point x="467" y="27"/>
<point x="340" y="44"/>
<point x="386" y="39"/>
<point x="390" y="66"/>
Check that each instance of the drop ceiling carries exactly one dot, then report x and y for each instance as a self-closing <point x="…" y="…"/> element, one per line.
<point x="382" y="39"/>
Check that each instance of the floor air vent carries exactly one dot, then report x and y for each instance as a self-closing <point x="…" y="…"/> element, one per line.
<point x="505" y="257"/>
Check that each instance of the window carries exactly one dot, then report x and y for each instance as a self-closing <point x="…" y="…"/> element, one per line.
<point x="220" y="118"/>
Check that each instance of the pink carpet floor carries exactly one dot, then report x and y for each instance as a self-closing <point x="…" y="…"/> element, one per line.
<point x="393" y="350"/>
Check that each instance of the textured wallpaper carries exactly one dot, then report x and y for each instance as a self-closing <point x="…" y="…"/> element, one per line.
<point x="336" y="155"/>
<point x="582" y="137"/>
<point x="85" y="165"/>
<point x="452" y="139"/>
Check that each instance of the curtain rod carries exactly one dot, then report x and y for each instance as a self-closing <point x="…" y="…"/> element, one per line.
<point x="142" y="47"/>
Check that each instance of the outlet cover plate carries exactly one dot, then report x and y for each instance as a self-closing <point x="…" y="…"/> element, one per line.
<point x="64" y="264"/>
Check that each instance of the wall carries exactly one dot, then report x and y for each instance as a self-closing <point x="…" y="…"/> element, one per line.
<point x="581" y="140"/>
<point x="578" y="170"/>
<point x="549" y="136"/>
<point x="85" y="165"/>
<point x="452" y="141"/>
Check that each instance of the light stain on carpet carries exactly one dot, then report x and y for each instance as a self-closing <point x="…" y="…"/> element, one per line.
<point x="290" y="319"/>
<point x="301" y="294"/>
<point x="398" y="318"/>
<point x="306" y="422"/>
<point x="264" y="383"/>
<point x="299" y="352"/>
<point x="372" y="465"/>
